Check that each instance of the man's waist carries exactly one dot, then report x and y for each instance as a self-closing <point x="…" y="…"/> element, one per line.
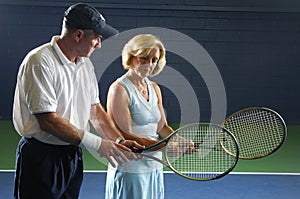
<point x="50" y="145"/>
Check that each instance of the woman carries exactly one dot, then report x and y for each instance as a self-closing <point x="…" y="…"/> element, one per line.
<point x="135" y="104"/>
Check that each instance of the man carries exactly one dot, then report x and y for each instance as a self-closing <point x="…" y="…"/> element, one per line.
<point x="56" y="98"/>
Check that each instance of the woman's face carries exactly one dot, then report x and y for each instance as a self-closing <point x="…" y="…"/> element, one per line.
<point x="143" y="66"/>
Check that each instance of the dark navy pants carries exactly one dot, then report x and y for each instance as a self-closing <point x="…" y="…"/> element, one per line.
<point x="47" y="171"/>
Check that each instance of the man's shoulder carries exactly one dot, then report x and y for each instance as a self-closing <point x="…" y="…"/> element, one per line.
<point x="41" y="51"/>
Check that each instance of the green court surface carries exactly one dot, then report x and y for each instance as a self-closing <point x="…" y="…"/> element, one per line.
<point x="285" y="160"/>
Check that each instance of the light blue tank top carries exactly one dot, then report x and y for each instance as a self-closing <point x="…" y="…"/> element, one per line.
<point x="143" y="112"/>
<point x="145" y="117"/>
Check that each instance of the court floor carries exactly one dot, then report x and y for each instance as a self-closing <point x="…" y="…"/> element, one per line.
<point x="232" y="186"/>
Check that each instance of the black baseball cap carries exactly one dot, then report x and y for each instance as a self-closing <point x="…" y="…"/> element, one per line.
<point x="86" y="17"/>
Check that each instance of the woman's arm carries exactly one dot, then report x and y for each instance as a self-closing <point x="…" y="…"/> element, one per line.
<point x="164" y="130"/>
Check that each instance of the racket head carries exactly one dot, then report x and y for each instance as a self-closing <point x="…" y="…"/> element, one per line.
<point x="260" y="131"/>
<point x="211" y="161"/>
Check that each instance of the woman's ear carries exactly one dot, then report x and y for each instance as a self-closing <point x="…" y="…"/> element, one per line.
<point x="129" y="61"/>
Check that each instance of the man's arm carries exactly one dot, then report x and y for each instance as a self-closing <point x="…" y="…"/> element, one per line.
<point x="103" y="123"/>
<point x="64" y="130"/>
<point x="59" y="127"/>
<point x="105" y="126"/>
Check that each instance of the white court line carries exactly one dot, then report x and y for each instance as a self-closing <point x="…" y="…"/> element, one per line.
<point x="263" y="173"/>
<point x="231" y="173"/>
<point x="254" y="173"/>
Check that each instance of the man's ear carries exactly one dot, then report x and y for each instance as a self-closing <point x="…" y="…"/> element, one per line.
<point x="78" y="34"/>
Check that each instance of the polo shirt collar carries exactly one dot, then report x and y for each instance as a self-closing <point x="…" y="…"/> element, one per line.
<point x="63" y="59"/>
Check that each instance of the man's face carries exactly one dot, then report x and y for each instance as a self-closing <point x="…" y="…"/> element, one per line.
<point x="88" y="44"/>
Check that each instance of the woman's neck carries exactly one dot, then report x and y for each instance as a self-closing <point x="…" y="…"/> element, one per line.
<point x="135" y="79"/>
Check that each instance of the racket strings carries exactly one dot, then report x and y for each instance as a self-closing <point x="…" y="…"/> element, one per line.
<point x="259" y="132"/>
<point x="210" y="161"/>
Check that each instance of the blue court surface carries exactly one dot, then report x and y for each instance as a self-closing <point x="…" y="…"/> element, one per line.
<point x="232" y="186"/>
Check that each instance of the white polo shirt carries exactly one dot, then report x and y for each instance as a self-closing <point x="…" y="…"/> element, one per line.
<point x="48" y="82"/>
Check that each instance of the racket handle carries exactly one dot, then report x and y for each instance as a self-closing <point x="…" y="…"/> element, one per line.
<point x="155" y="147"/>
<point x="137" y="150"/>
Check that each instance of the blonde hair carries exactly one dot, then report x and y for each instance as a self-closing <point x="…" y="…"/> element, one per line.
<point x="141" y="46"/>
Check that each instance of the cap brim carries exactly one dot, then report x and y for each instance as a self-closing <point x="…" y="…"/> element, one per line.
<point x="108" y="31"/>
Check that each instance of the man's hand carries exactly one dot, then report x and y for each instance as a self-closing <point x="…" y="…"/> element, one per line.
<point x="109" y="149"/>
<point x="132" y="145"/>
<point x="120" y="152"/>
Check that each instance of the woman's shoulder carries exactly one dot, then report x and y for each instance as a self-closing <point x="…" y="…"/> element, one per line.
<point x="117" y="86"/>
<point x="155" y="86"/>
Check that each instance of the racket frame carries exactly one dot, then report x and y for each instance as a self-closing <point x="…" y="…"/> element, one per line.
<point x="165" y="161"/>
<point x="252" y="109"/>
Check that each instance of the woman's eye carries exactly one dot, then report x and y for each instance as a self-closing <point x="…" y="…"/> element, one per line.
<point x="154" y="61"/>
<point x="145" y="58"/>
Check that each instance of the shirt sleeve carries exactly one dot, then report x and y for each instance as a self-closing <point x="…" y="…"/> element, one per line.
<point x="38" y="88"/>
<point x="94" y="88"/>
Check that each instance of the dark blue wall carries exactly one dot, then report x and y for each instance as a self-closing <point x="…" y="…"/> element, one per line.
<point x="255" y="46"/>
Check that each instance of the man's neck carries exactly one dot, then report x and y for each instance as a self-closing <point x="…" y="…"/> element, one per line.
<point x="67" y="49"/>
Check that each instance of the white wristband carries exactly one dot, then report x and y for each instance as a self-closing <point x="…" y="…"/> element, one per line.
<point x="90" y="141"/>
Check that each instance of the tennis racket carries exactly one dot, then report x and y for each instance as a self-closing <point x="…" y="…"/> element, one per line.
<point x="196" y="151"/>
<point x="259" y="131"/>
